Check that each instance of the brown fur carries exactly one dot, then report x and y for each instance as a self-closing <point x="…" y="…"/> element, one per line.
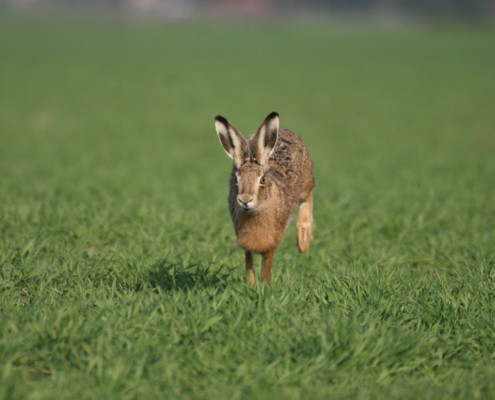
<point x="287" y="171"/>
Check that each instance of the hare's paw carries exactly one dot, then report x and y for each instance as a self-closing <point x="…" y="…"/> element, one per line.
<point x="304" y="237"/>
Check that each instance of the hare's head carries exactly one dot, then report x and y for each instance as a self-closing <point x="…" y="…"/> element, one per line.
<point x="252" y="175"/>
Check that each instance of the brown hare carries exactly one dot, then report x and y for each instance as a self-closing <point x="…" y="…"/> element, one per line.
<point x="272" y="174"/>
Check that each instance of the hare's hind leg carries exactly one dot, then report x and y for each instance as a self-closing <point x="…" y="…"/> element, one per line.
<point x="305" y="223"/>
<point x="250" y="268"/>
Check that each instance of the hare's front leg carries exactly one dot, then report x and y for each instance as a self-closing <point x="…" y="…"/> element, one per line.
<point x="266" y="264"/>
<point x="250" y="268"/>
<point x="304" y="224"/>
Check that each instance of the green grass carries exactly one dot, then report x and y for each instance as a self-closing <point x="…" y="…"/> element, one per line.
<point x="119" y="276"/>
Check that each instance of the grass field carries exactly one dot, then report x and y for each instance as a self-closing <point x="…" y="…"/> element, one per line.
<point x="119" y="275"/>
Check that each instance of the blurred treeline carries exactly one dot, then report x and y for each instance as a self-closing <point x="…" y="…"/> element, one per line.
<point x="405" y="10"/>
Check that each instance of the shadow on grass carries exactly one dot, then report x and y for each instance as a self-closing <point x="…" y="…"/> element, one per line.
<point x="177" y="276"/>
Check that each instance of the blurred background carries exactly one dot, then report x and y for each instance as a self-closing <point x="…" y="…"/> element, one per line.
<point x="380" y="10"/>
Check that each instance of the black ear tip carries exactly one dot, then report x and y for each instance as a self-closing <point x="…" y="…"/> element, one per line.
<point x="221" y="119"/>
<point x="273" y="114"/>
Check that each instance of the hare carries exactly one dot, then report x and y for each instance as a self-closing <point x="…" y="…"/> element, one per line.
<point x="272" y="174"/>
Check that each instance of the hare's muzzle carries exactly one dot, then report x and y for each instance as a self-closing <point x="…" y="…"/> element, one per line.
<point x="246" y="201"/>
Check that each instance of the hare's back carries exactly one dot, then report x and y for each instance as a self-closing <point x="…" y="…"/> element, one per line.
<point x="290" y="152"/>
<point x="290" y="160"/>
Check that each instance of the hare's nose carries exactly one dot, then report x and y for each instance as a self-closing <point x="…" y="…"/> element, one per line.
<point x="244" y="199"/>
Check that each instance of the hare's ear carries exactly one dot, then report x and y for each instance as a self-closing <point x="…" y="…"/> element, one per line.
<point x="265" y="139"/>
<point x="232" y="141"/>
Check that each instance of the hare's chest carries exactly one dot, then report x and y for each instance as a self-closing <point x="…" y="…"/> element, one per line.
<point x="257" y="232"/>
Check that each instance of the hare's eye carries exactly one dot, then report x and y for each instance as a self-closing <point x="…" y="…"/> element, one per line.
<point x="262" y="181"/>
